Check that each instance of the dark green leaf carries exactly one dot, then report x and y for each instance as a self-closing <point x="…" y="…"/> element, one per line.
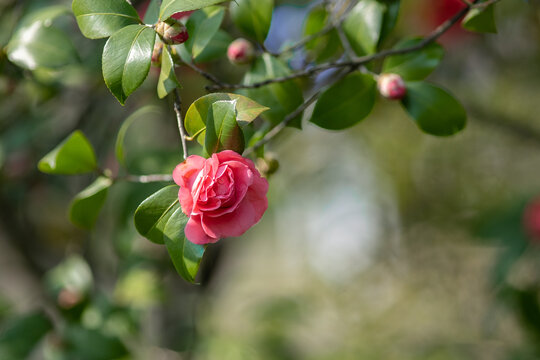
<point x="345" y="103"/>
<point x="91" y="344"/>
<point x="281" y="98"/>
<point x="21" y="335"/>
<point x="253" y="17"/>
<point x="167" y="78"/>
<point x="152" y="214"/>
<point x="102" y="18"/>
<point x="222" y="129"/>
<point x="202" y="27"/>
<point x="195" y="120"/>
<point x="38" y="45"/>
<point x="390" y="17"/>
<point x="170" y="7"/>
<point x="126" y="59"/>
<point x="416" y="65"/>
<point x="87" y="204"/>
<point x="435" y="111"/>
<point x="481" y="20"/>
<point x="363" y="26"/>
<point x="74" y="155"/>
<point x="152" y="12"/>
<point x="325" y="46"/>
<point x="186" y="256"/>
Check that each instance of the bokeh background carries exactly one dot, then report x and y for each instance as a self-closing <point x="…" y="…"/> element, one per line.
<point x="380" y="242"/>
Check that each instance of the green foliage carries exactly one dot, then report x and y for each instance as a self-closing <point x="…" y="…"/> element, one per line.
<point x="43" y="14"/>
<point x="92" y="344"/>
<point x="390" y="17"/>
<point x="87" y="204"/>
<point x="74" y="155"/>
<point x="416" y="65"/>
<point x="253" y="17"/>
<point x="102" y="18"/>
<point x="20" y="335"/>
<point x="281" y="98"/>
<point x="202" y="27"/>
<point x="126" y="59"/>
<point x="434" y="110"/>
<point x="363" y="26"/>
<point x="153" y="213"/>
<point x="481" y="20"/>
<point x="170" y="7"/>
<point x="167" y="78"/>
<point x="345" y="103"/>
<point x="186" y="256"/>
<point x="196" y="116"/>
<point x="325" y="46"/>
<point x="152" y="12"/>
<point x="222" y="129"/>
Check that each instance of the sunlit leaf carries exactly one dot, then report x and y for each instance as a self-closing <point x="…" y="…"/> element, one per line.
<point x="74" y="155"/>
<point x="170" y="7"/>
<point x="153" y="213"/>
<point x="167" y="78"/>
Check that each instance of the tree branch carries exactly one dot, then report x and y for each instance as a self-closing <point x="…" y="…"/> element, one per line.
<point x="180" y="121"/>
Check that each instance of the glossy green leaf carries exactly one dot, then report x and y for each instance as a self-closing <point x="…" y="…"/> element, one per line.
<point x="195" y="120"/>
<point x="281" y="98"/>
<point x="185" y="255"/>
<point x="325" y="46"/>
<point x="252" y="17"/>
<point x="75" y="155"/>
<point x="167" y="78"/>
<point x="40" y="46"/>
<point x="363" y="26"/>
<point x="345" y="103"/>
<point x="102" y="18"/>
<point x="481" y="20"/>
<point x="21" y="335"/>
<point x="222" y="129"/>
<point x="434" y="110"/>
<point x="92" y="344"/>
<point x="87" y="204"/>
<point x="202" y="26"/>
<point x="170" y="7"/>
<point x="126" y="59"/>
<point x="153" y="213"/>
<point x="416" y="65"/>
<point x="152" y="12"/>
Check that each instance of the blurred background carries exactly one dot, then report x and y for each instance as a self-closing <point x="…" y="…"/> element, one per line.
<point x="380" y="242"/>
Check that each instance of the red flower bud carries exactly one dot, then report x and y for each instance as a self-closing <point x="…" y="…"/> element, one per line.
<point x="240" y="51"/>
<point x="172" y="31"/>
<point x="392" y="86"/>
<point x="182" y="15"/>
<point x="531" y="220"/>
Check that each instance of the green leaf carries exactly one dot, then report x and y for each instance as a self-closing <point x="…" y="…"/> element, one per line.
<point x="252" y="17"/>
<point x="195" y="120"/>
<point x="170" y="7"/>
<point x="87" y="204"/>
<point x="74" y="155"/>
<point x="38" y="45"/>
<point x="185" y="255"/>
<point x="92" y="344"/>
<point x="480" y="20"/>
<point x="434" y="110"/>
<point x="22" y="334"/>
<point x="102" y="18"/>
<point x="202" y="26"/>
<point x="43" y="14"/>
<point x="325" y="46"/>
<point x="167" y="78"/>
<point x="126" y="59"/>
<point x="281" y="98"/>
<point x="345" y="103"/>
<point x="416" y="65"/>
<point x="152" y="12"/>
<point x="216" y="48"/>
<point x="390" y="17"/>
<point x="363" y="26"/>
<point x="222" y="129"/>
<point x="153" y="213"/>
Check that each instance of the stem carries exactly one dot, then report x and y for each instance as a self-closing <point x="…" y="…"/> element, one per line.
<point x="179" y="119"/>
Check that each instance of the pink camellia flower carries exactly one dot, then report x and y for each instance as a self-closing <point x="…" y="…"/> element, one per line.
<point x="531" y="220"/>
<point x="223" y="196"/>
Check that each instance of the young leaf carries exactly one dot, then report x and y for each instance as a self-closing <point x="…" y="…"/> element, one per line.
<point x="345" y="103"/>
<point x="167" y="78"/>
<point x="416" y="65"/>
<point x="153" y="213"/>
<point x="253" y="17"/>
<point x="74" y="155"/>
<point x="22" y="334"/>
<point x="126" y="59"/>
<point x="202" y="27"/>
<point x="195" y="120"/>
<point x="222" y="130"/>
<point x="281" y="98"/>
<point x="434" y="110"/>
<point x="101" y="18"/>
<point x="170" y="7"/>
<point x="87" y="204"/>
<point x="480" y="20"/>
<point x="363" y="26"/>
<point x="185" y="255"/>
<point x="37" y="45"/>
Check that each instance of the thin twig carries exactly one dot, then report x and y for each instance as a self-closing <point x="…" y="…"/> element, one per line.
<point x="178" y="111"/>
<point x="205" y="74"/>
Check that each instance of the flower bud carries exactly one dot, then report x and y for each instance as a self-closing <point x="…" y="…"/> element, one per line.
<point x="172" y="31"/>
<point x="156" y="54"/>
<point x="391" y="86"/>
<point x="240" y="51"/>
